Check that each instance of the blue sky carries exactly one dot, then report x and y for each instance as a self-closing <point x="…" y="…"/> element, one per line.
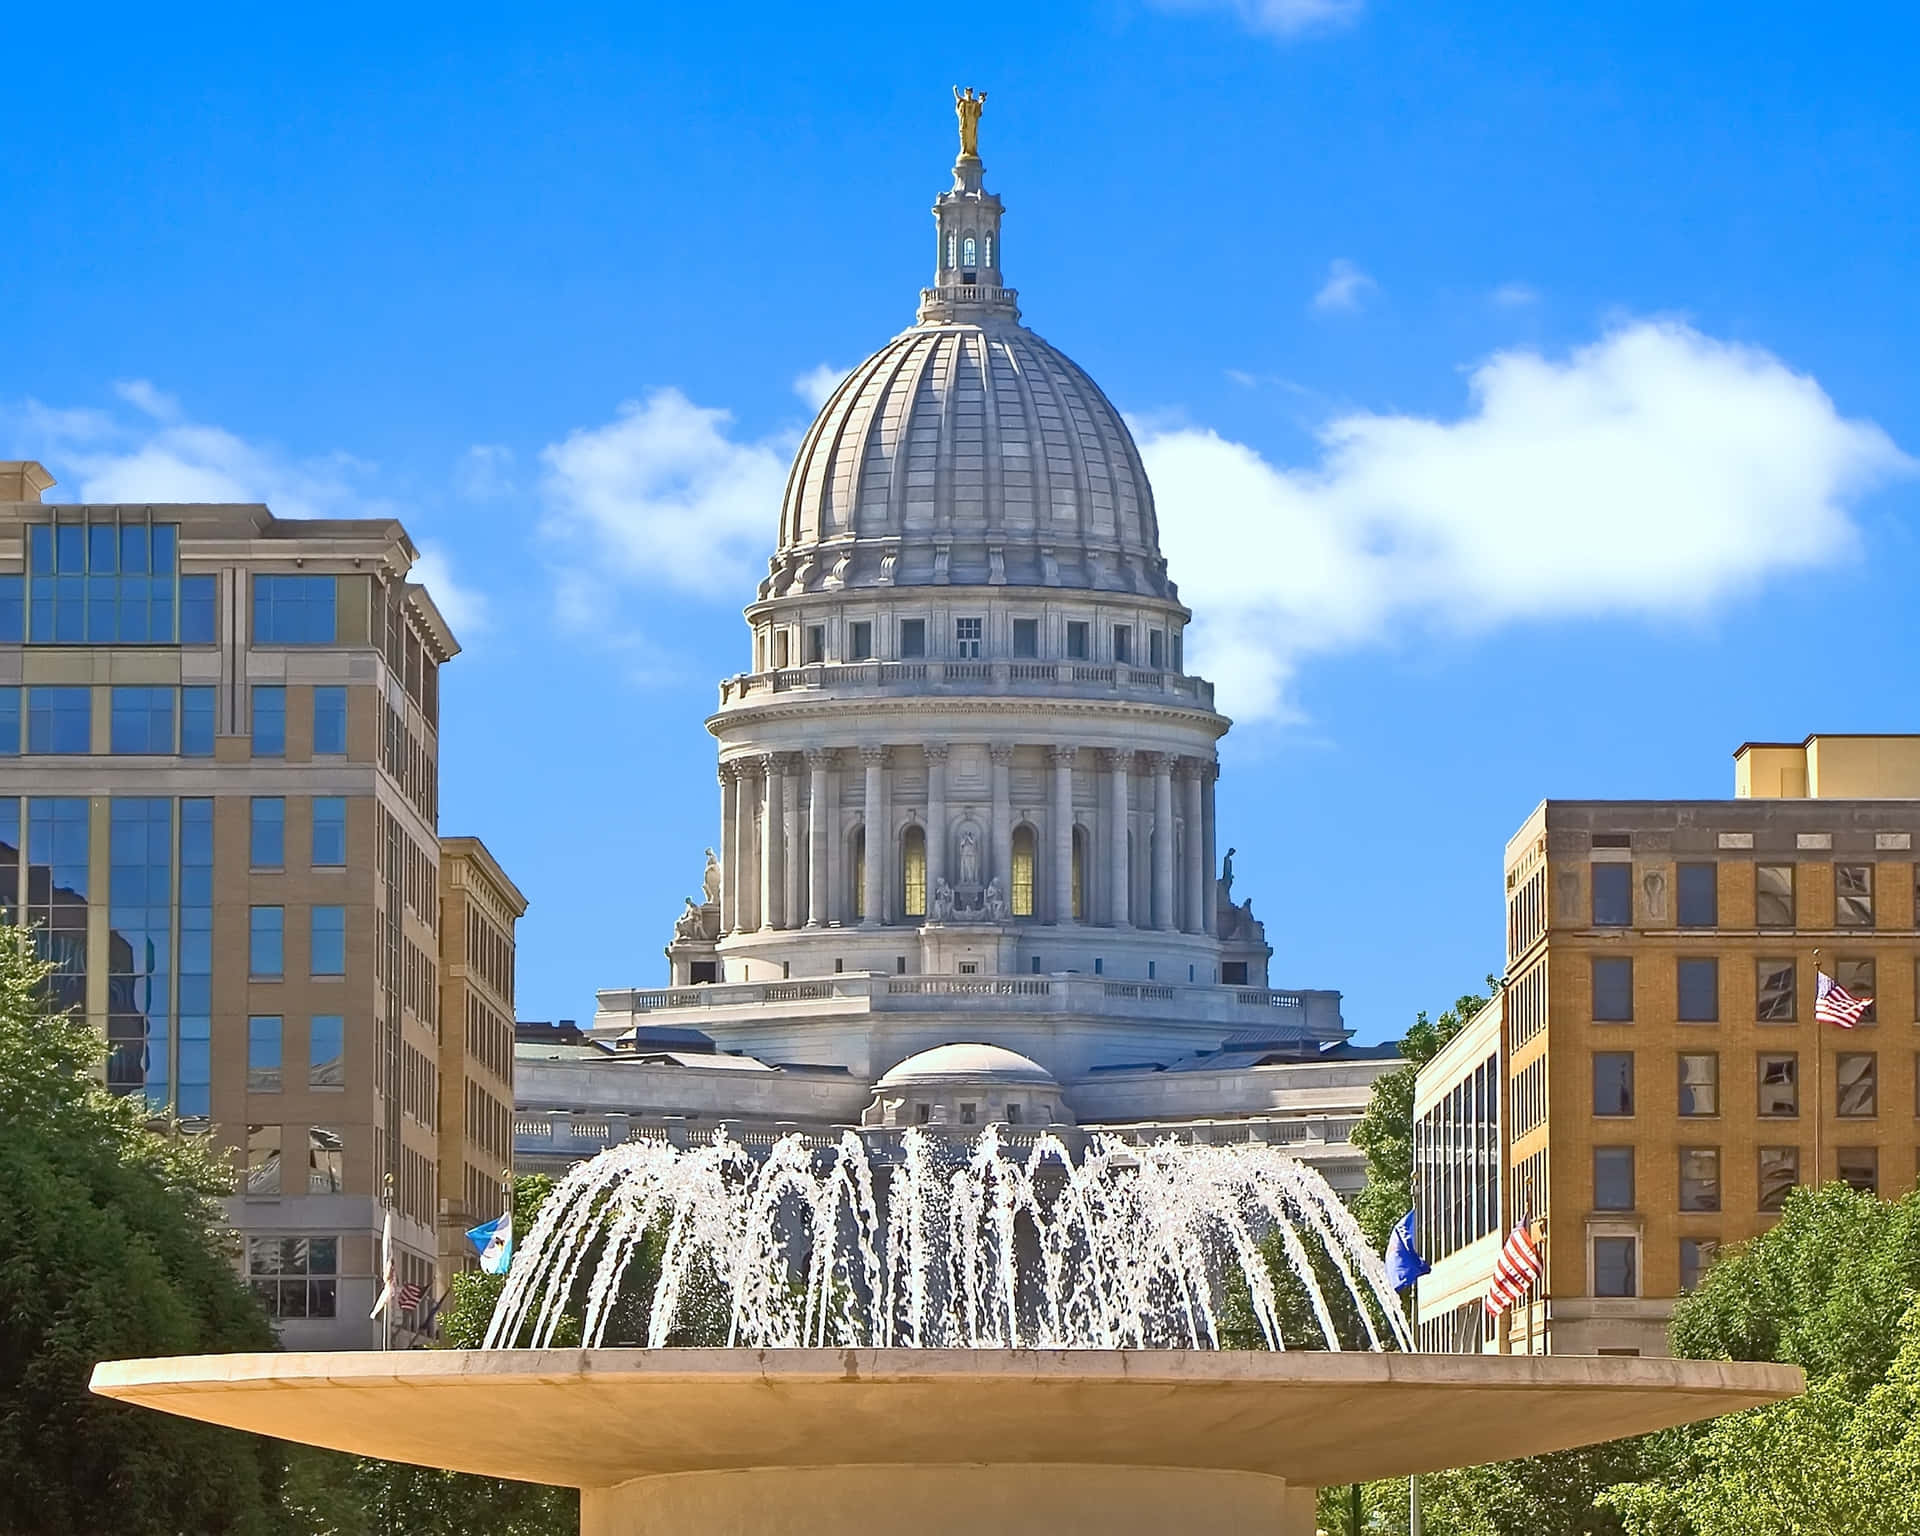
<point x="1529" y="389"/>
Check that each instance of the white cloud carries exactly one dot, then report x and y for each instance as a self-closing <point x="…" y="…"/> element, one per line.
<point x="816" y="385"/>
<point x="1276" y="18"/>
<point x="1346" y="287"/>
<point x="463" y="607"/>
<point x="663" y="496"/>
<point x="1514" y="296"/>
<point x="485" y="472"/>
<point x="1656" y="472"/>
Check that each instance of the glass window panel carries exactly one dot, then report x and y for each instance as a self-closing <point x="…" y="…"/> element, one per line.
<point x="1023" y="864"/>
<point x="1613" y="1082"/>
<point x="269" y="720"/>
<point x="1076" y="641"/>
<point x="1613" y="1267"/>
<point x="1853" y="895"/>
<point x="60" y="720"/>
<point x="266" y="941"/>
<point x="267" y="843"/>
<point x="1774" y="1001"/>
<point x="1026" y="637"/>
<point x="329" y="721"/>
<point x="1699" y="990"/>
<point x="325" y="1164"/>
<point x="199" y="618"/>
<point x="329" y="832"/>
<point x="329" y="935"/>
<point x="1778" y="1075"/>
<point x="263" y="1054"/>
<point x="1773" y="896"/>
<point x="1698" y="895"/>
<point x="1696" y="1257"/>
<point x="1856" y="1085"/>
<point x="913" y="637"/>
<point x="263" y="1160"/>
<point x="860" y="641"/>
<point x="142" y="720"/>
<point x="1613" y="989"/>
<point x="1700" y="1084"/>
<point x="101" y="557"/>
<point x="1612" y="895"/>
<point x="1613" y="1178"/>
<point x="1859" y="1168"/>
<point x="1699" y="1178"/>
<point x="326" y="1047"/>
<point x="165" y="544"/>
<point x="913" y="872"/>
<point x="293" y="610"/>
<point x="1779" y="1172"/>
<point x="9" y="722"/>
<point x="967" y="637"/>
<point x="196" y="722"/>
<point x="1857" y="976"/>
<point x="1123" y="643"/>
<point x="13" y="609"/>
<point x="816" y="636"/>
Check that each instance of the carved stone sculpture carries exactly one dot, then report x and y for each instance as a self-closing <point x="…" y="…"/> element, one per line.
<point x="1654" y="883"/>
<point x="710" y="881"/>
<point x="967" y="106"/>
<point x="995" y="901"/>
<point x="942" y="900"/>
<point x="689" y="925"/>
<point x="969" y="858"/>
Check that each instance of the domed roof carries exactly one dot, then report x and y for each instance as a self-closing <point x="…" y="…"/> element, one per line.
<point x="971" y="1063"/>
<point x="968" y="451"/>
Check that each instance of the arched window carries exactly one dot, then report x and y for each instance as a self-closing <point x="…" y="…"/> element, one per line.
<point x="913" y="872"/>
<point x="858" y="865"/>
<point x="989" y="250"/>
<point x="1079" y="874"/>
<point x="1021" y="896"/>
<point x="969" y="253"/>
<point x="949" y="249"/>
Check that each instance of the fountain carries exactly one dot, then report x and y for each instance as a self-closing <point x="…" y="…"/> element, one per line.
<point x="964" y="1337"/>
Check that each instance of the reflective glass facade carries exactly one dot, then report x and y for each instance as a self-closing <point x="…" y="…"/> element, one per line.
<point x="57" y="849"/>
<point x="293" y="610"/>
<point x="102" y="583"/>
<point x="140" y="947"/>
<point x="194" y="1061"/>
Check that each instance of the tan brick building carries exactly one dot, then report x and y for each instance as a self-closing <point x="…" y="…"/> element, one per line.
<point x="1663" y="1079"/>
<point x="479" y="906"/>
<point x="219" y="771"/>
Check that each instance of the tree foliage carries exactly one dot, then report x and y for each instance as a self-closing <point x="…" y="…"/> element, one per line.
<point x="110" y="1247"/>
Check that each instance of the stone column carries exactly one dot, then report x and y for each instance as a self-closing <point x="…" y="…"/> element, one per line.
<point x="793" y="869"/>
<point x="874" y="832"/>
<point x="729" y="848"/>
<point x="1209" y="850"/>
<point x="1119" y="767"/>
<point x="819" y="836"/>
<point x="1002" y="867"/>
<point x="936" y="820"/>
<point x="1195" y="871"/>
<point x="1162" y="838"/>
<point x="744" y="919"/>
<point x="1062" y="833"/>
<point x="772" y="836"/>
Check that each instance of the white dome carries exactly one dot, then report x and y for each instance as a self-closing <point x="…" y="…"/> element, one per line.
<point x="968" y="1063"/>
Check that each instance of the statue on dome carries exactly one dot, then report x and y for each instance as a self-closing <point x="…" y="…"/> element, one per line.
<point x="969" y="859"/>
<point x="942" y="900"/>
<point x="994" y="901"/>
<point x="710" y="881"/>
<point x="689" y="924"/>
<point x="967" y="107"/>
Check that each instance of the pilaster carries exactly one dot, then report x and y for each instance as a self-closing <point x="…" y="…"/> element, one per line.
<point x="1062" y="833"/>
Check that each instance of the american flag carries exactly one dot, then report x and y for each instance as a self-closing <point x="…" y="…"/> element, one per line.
<point x="1834" y="1004"/>
<point x="1517" y="1268"/>
<point x="409" y="1297"/>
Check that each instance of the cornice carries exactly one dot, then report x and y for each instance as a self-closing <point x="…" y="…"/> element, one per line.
<point x="936" y="707"/>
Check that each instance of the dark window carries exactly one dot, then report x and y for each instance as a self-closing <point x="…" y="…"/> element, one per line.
<point x="1853" y="895"/>
<point x="330" y="721"/>
<point x="780" y="643"/>
<point x="196" y="722"/>
<point x="1699" y="1084"/>
<point x="60" y="720"/>
<point x="1773" y="992"/>
<point x="1773" y="896"/>
<point x="1699" y="989"/>
<point x="199" y="619"/>
<point x="269" y="720"/>
<point x="913" y="637"/>
<point x="142" y="720"/>
<point x="1076" y="641"/>
<point x="1156" y="649"/>
<point x="9" y="722"/>
<point x="1859" y="1168"/>
<point x="1696" y="1256"/>
<point x="1233" y="972"/>
<point x="1699" y="1178"/>
<point x="1699" y="896"/>
<point x="294" y="1276"/>
<point x="1123" y="643"/>
<point x="1026" y="637"/>
<point x="1613" y="895"/>
<point x="1613" y="1267"/>
<point x="1613" y="1178"/>
<point x="1778" y="1077"/>
<point x="293" y="610"/>
<point x="1779" y="1172"/>
<point x="860" y="641"/>
<point x="1613" y="990"/>
<point x="1856" y="1085"/>
<point x="1613" y="1082"/>
<point x="816" y="644"/>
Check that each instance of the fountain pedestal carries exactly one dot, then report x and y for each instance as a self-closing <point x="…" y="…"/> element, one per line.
<point x="941" y="1442"/>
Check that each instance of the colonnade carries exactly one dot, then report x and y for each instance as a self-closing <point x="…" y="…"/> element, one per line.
<point x="781" y="829"/>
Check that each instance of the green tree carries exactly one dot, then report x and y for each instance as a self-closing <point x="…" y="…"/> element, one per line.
<point x="1385" y="1131"/>
<point x="110" y="1247"/>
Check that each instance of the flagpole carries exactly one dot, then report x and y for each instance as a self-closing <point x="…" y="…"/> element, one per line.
<point x="386" y="1312"/>
<point x="1413" y="1482"/>
<point x="1819" y="1092"/>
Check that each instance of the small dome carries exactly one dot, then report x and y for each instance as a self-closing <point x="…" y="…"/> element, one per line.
<point x="966" y="1063"/>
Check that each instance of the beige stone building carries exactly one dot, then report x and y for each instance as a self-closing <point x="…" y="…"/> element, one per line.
<point x="219" y="772"/>
<point x="1663" y="1080"/>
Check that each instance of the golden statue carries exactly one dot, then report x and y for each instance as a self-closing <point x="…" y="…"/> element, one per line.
<point x="967" y="106"/>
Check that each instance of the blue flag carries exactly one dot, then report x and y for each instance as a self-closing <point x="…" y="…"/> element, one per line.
<point x="494" y="1239"/>
<point x="1404" y="1264"/>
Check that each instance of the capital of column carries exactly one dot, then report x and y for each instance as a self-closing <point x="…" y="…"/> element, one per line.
<point x="771" y="764"/>
<point x="729" y="770"/>
<point x="936" y="753"/>
<point x="1001" y="752"/>
<point x="874" y="757"/>
<point x="1062" y="755"/>
<point x="1114" y="757"/>
<point x="1186" y="768"/>
<point x="1161" y="762"/>
<point x="820" y="757"/>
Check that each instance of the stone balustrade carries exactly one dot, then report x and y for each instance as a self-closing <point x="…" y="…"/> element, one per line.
<point x="1038" y="678"/>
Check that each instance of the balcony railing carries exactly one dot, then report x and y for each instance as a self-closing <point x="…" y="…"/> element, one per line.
<point x="1016" y="677"/>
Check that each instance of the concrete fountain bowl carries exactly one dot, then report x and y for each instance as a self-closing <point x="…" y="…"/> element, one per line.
<point x="803" y="1442"/>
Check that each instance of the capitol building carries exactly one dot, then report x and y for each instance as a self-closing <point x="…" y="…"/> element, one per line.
<point x="968" y="868"/>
